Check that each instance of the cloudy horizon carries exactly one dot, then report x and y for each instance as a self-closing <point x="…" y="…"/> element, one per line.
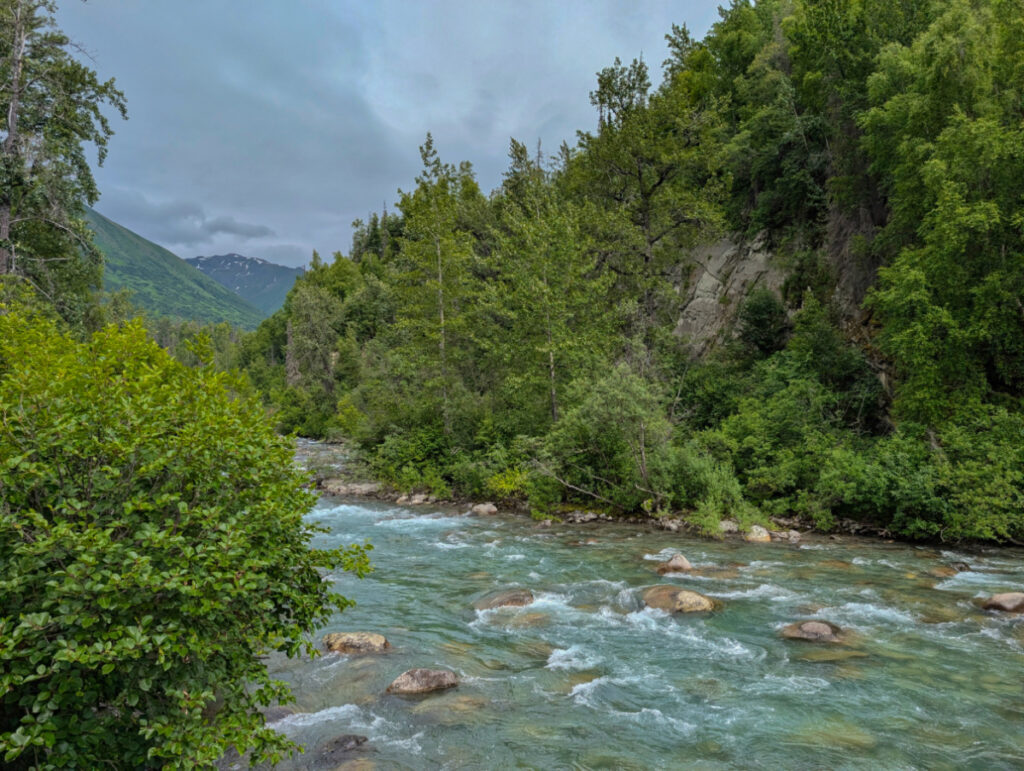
<point x="268" y="133"/>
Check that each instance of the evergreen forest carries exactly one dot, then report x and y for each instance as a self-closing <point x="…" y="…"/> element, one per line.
<point x="526" y="345"/>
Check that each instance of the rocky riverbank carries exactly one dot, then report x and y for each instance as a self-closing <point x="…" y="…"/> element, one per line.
<point x="334" y="474"/>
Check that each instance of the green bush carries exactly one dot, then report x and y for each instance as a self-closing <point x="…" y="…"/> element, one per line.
<point x="153" y="550"/>
<point x="614" y="444"/>
<point x="763" y="325"/>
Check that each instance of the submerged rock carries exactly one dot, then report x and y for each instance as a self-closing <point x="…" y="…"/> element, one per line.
<point x="276" y="712"/>
<point x="331" y="753"/>
<point x="485" y="509"/>
<point x="355" y="642"/>
<point x="677" y="563"/>
<point x="507" y="598"/>
<point x="672" y="599"/>
<point x="813" y="631"/>
<point x="1008" y="602"/>
<point x="757" y="534"/>
<point x="423" y="681"/>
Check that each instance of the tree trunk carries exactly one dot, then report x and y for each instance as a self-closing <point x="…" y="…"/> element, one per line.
<point x="441" y="341"/>
<point x="291" y="361"/>
<point x="10" y="146"/>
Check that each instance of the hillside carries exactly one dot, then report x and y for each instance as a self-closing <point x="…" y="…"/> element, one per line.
<point x="162" y="283"/>
<point x="261" y="283"/>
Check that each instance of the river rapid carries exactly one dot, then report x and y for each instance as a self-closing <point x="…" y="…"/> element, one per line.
<point x="587" y="678"/>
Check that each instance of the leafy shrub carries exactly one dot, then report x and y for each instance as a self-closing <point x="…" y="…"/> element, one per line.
<point x="613" y="445"/>
<point x="153" y="550"/>
<point x="763" y="324"/>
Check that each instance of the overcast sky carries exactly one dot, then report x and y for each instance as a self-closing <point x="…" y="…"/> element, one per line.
<point x="266" y="127"/>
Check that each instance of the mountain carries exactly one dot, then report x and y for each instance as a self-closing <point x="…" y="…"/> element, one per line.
<point x="163" y="283"/>
<point x="261" y="283"/>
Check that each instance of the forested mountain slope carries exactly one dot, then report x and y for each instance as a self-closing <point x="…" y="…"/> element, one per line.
<point x="162" y="283"/>
<point x="785" y="281"/>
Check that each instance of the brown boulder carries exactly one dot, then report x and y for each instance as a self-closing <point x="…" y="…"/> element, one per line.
<point x="355" y="642"/>
<point x="1008" y="602"/>
<point x="757" y="534"/>
<point x="676" y="564"/>
<point x="813" y="631"/>
<point x="510" y="598"/>
<point x="675" y="600"/>
<point x="423" y="681"/>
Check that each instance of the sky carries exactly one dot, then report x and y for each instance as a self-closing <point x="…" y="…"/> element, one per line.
<point x="266" y="127"/>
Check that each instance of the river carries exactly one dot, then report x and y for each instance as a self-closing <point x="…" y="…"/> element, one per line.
<point x="587" y="678"/>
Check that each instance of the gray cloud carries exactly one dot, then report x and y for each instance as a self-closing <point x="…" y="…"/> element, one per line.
<point x="266" y="127"/>
<point x="176" y="223"/>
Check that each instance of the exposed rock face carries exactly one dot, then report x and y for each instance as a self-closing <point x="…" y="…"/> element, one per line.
<point x="485" y="509"/>
<point x="677" y="563"/>
<point x="423" y="681"/>
<point x="355" y="642"/>
<point x="723" y="275"/>
<point x="1008" y="602"/>
<point x="757" y="534"/>
<point x="727" y="526"/>
<point x="507" y="598"/>
<point x="813" y="631"/>
<point x="672" y="599"/>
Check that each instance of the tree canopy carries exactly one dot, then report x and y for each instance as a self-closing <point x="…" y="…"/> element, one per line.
<point x="153" y="550"/>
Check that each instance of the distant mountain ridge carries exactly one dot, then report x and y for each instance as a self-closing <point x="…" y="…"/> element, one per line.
<point x="261" y="283"/>
<point x="163" y="283"/>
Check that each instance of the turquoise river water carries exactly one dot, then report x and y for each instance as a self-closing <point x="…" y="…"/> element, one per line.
<point x="587" y="678"/>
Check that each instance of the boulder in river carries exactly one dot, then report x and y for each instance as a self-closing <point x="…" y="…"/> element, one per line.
<point x="355" y="642"/>
<point x="757" y="534"/>
<point x="1008" y="602"/>
<point x="672" y="599"/>
<point x="727" y="526"/>
<point x="813" y="631"/>
<point x="506" y="598"/>
<point x="341" y="487"/>
<point x="423" y="681"/>
<point x="485" y="509"/>
<point x="677" y="563"/>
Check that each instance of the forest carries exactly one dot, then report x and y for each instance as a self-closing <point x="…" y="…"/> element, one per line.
<point x="526" y="345"/>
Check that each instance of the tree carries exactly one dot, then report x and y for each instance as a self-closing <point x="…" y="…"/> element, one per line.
<point x="50" y="107"/>
<point x="945" y="137"/>
<point x="650" y="171"/>
<point x="153" y="550"/>
<point x="548" y="294"/>
<point x="436" y="254"/>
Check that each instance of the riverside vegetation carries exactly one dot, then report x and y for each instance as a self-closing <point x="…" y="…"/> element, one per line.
<point x="524" y="345"/>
